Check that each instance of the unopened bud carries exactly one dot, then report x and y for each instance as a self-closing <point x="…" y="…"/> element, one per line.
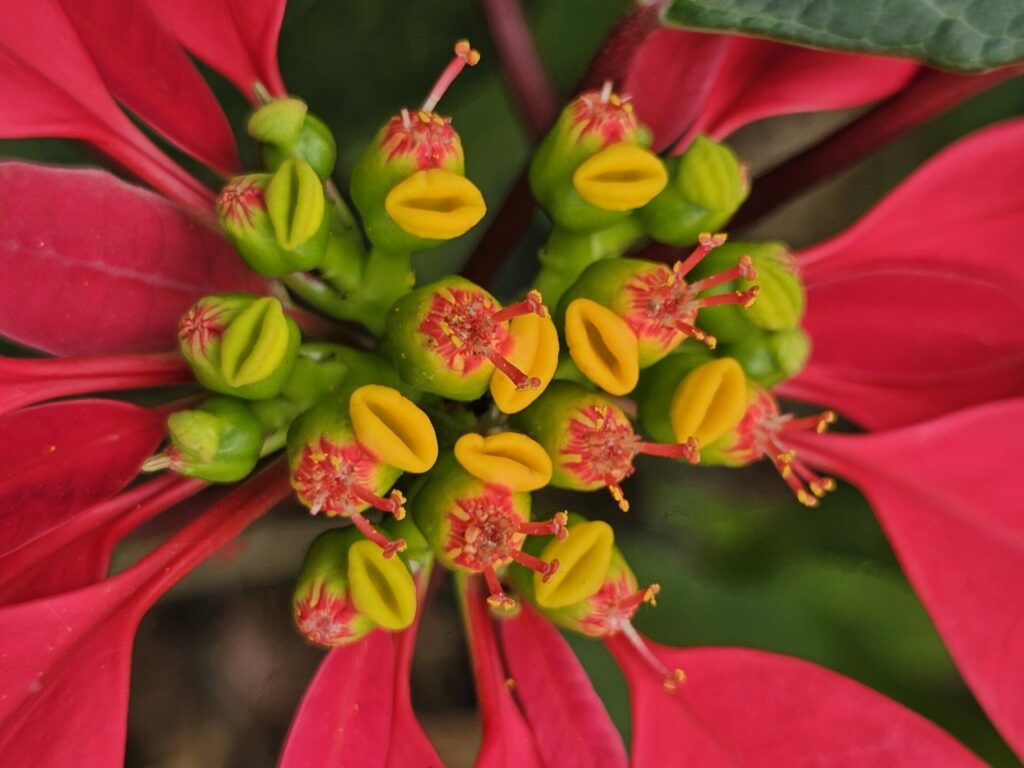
<point x="769" y="358"/>
<point x="707" y="184"/>
<point x="288" y="132"/>
<point x="219" y="441"/>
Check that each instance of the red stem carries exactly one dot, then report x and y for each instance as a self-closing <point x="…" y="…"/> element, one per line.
<point x="523" y="70"/>
<point x="513" y="218"/>
<point x="928" y="95"/>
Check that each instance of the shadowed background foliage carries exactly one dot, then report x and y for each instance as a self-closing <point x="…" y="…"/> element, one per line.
<point x="219" y="671"/>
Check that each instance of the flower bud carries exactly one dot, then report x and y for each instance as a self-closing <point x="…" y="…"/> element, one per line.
<point x="769" y="358"/>
<point x="707" y="184"/>
<point x="340" y="456"/>
<point x="219" y="441"/>
<point x="409" y="185"/>
<point x="593" y="168"/>
<point x="622" y="315"/>
<point x="239" y="344"/>
<point x="780" y="299"/>
<point x="480" y="528"/>
<point x="452" y="337"/>
<point x="288" y="132"/>
<point x="263" y="238"/>
<point x="583" y="556"/>
<point x="589" y="439"/>
<point x="346" y="588"/>
<point x="508" y="459"/>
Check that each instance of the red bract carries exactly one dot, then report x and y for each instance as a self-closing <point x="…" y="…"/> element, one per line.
<point x="948" y="495"/>
<point x="97" y="266"/>
<point x="684" y="83"/>
<point x="741" y="707"/>
<point x="147" y="71"/>
<point x="60" y="458"/>
<point x="507" y="739"/>
<point x="357" y="709"/>
<point x="24" y="381"/>
<point x="911" y="320"/>
<point x="76" y="551"/>
<point x="570" y="724"/>
<point x="43" y="94"/>
<point x="238" y="38"/>
<point x="67" y="657"/>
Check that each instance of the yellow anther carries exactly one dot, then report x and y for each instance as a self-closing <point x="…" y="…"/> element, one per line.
<point x="424" y="117"/>
<point x="619" y="497"/>
<point x="827" y="418"/>
<point x="620" y="177"/>
<point x="381" y="587"/>
<point x="602" y="346"/>
<point x="806" y="499"/>
<point x="393" y="428"/>
<point x="651" y="594"/>
<point x="507" y="459"/>
<point x="627" y="108"/>
<point x="675" y="678"/>
<point x="435" y="204"/>
<point x="709" y="401"/>
<point x="534" y="351"/>
<point x="583" y="556"/>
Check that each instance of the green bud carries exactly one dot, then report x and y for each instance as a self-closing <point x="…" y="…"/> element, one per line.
<point x="769" y="358"/>
<point x="780" y="303"/>
<point x="288" y="132"/>
<point x="593" y="167"/>
<point x="707" y="184"/>
<point x="242" y="210"/>
<point x="239" y="344"/>
<point x="220" y="441"/>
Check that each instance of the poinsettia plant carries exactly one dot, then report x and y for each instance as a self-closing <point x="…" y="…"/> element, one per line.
<point x="246" y="314"/>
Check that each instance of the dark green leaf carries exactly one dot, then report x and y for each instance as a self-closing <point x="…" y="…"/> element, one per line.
<point x="967" y="35"/>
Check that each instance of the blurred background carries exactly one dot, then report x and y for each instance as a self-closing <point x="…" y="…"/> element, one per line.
<point x="218" y="669"/>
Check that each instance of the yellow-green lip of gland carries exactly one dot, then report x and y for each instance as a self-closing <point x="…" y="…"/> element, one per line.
<point x="393" y="428"/>
<point x="435" y="204"/>
<point x="583" y="557"/>
<point x="507" y="459"/>
<point x="295" y="203"/>
<point x="535" y="353"/>
<point x="255" y="343"/>
<point x="621" y="177"/>
<point x="709" y="401"/>
<point x="603" y="346"/>
<point x="381" y="587"/>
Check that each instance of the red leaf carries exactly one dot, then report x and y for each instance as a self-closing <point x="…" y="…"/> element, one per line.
<point x="948" y="493"/>
<point x="409" y="744"/>
<point x="741" y="707"/>
<point x="58" y="459"/>
<point x="97" y="266"/>
<point x="345" y="715"/>
<point x="570" y="724"/>
<point x="910" y="320"/>
<point x="147" y="70"/>
<point x="44" y="94"/>
<point x="67" y="658"/>
<point x="507" y="739"/>
<point x="683" y="84"/>
<point x="76" y="552"/>
<point x="24" y="381"/>
<point x="238" y="38"/>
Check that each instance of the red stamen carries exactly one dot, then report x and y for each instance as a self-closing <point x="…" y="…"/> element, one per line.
<point x="497" y="599"/>
<point x="688" y="450"/>
<point x="744" y="268"/>
<point x="522" y="380"/>
<point x="557" y="526"/>
<point x="671" y="678"/>
<point x="391" y="548"/>
<point x="743" y="298"/>
<point x="706" y="244"/>
<point x="546" y="569"/>
<point x="394" y="503"/>
<point x="533" y="304"/>
<point x="464" y="56"/>
<point x="761" y="433"/>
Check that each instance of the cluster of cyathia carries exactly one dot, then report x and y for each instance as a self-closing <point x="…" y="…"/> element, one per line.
<point x="487" y="402"/>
